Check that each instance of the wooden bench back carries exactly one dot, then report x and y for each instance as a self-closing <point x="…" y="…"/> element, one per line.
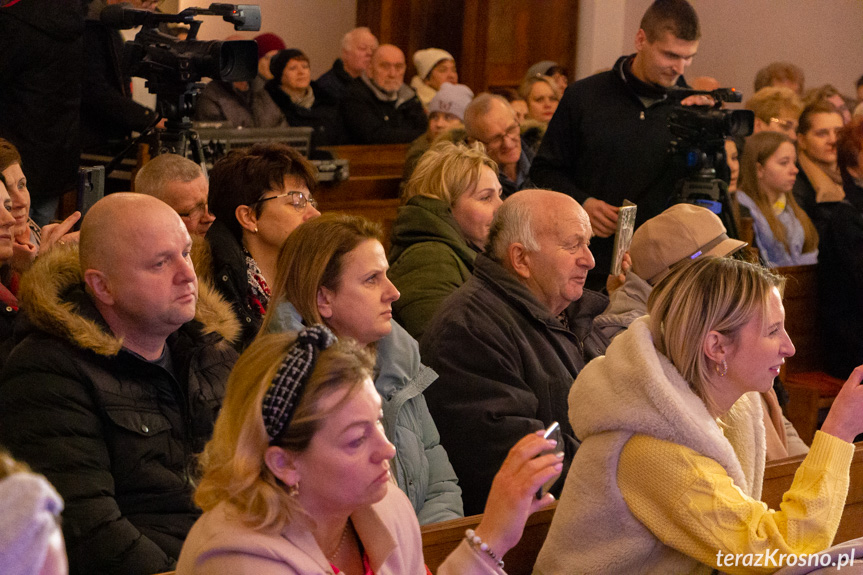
<point x="801" y="317"/>
<point x="374" y="185"/>
<point x="440" y="539"/>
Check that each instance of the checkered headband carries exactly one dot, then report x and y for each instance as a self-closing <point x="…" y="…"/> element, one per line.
<point x="287" y="386"/>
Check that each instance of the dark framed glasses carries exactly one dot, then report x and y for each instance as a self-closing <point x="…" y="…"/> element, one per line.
<point x="297" y="199"/>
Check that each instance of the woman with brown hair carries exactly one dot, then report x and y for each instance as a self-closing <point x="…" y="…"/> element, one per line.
<point x="258" y="196"/>
<point x="29" y="238"/>
<point x="333" y="270"/>
<point x="783" y="232"/>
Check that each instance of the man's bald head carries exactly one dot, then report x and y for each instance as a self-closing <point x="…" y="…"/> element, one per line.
<point x="135" y="258"/>
<point x="116" y="224"/>
<point x="525" y="215"/>
<point x="388" y="66"/>
<point x="542" y="238"/>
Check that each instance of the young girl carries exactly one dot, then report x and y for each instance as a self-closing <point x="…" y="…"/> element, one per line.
<point x="784" y="233"/>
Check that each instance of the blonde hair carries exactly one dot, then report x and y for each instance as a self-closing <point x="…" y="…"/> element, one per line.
<point x="758" y="149"/>
<point x="709" y="294"/>
<point x="770" y="102"/>
<point x="448" y="170"/>
<point x="232" y="464"/>
<point x="527" y="86"/>
<point x="9" y="465"/>
<point x="312" y="257"/>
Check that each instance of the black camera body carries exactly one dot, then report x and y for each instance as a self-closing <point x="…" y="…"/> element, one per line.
<point x="173" y="67"/>
<point x="700" y="133"/>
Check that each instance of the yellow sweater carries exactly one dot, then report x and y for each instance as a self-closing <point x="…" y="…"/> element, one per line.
<point x="690" y="503"/>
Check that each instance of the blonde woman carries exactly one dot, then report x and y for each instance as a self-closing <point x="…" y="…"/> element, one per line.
<point x="542" y="97"/>
<point x="450" y="202"/>
<point x="668" y="476"/>
<point x="298" y="475"/>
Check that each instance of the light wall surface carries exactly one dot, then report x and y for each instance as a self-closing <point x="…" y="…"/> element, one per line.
<point x="823" y="37"/>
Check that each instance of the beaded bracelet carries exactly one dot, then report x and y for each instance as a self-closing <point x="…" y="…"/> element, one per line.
<point x="474" y="541"/>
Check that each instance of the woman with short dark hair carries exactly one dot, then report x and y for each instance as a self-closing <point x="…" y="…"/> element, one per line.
<point x="259" y="196"/>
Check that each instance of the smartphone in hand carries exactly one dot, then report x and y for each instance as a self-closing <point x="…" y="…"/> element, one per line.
<point x="553" y="432"/>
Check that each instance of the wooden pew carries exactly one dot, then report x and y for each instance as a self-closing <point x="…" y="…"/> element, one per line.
<point x="372" y="161"/>
<point x="439" y="540"/>
<point x="778" y="476"/>
<point x="374" y="185"/>
<point x="809" y="388"/>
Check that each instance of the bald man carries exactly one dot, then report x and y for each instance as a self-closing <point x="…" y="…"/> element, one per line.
<point x="378" y="107"/>
<point x="117" y="382"/>
<point x="509" y="342"/>
<point x="180" y="183"/>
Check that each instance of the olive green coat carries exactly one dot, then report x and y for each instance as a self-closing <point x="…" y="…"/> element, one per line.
<point x="429" y="260"/>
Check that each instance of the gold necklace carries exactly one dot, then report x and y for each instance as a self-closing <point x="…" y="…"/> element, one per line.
<point x="335" y="553"/>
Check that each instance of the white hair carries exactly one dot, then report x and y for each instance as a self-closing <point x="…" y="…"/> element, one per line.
<point x="513" y="223"/>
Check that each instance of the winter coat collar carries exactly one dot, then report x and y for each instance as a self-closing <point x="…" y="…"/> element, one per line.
<point x="54" y="300"/>
<point x="397" y="98"/>
<point x="425" y="219"/>
<point x="637" y="390"/>
<point x="580" y="313"/>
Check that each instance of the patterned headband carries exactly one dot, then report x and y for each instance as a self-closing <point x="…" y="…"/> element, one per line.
<point x="287" y="386"/>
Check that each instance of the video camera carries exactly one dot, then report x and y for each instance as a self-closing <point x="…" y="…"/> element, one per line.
<point x="700" y="133"/>
<point x="172" y="67"/>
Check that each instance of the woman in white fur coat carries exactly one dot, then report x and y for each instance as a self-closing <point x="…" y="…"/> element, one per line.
<point x="669" y="474"/>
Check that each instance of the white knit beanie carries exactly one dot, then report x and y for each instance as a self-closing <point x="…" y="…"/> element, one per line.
<point x="426" y="60"/>
<point x="29" y="507"/>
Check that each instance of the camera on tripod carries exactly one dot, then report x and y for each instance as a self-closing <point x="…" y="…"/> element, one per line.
<point x="700" y="133"/>
<point x="173" y="67"/>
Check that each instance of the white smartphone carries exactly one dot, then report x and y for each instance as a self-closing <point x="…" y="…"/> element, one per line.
<point x="553" y="432"/>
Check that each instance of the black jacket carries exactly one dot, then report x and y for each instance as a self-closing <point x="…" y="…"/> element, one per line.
<point x="115" y="434"/>
<point x="40" y="91"/>
<point x="604" y="143"/>
<point x="220" y="262"/>
<point x="369" y="120"/>
<point x="108" y="112"/>
<point x="323" y="117"/>
<point x="333" y="84"/>
<point x="505" y="366"/>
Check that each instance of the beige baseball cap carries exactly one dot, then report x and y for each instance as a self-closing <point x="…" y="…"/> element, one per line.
<point x="682" y="232"/>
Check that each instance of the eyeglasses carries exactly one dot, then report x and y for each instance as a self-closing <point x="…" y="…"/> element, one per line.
<point x="298" y="200"/>
<point x="789" y="125"/>
<point x="197" y="212"/>
<point x="512" y="133"/>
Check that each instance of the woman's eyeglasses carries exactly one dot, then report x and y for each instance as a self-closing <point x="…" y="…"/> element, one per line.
<point x="298" y="199"/>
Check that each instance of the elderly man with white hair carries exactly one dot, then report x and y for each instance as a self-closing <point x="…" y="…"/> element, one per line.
<point x="358" y="45"/>
<point x="509" y="342"/>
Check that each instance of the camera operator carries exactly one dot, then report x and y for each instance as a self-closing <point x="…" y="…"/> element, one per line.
<point x="108" y="112"/>
<point x="609" y="140"/>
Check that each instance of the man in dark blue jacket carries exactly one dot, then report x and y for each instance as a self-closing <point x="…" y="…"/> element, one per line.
<point x="609" y="138"/>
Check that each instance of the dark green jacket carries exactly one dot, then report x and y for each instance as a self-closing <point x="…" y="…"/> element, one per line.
<point x="429" y="260"/>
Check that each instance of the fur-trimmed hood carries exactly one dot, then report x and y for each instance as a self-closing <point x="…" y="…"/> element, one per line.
<point x="43" y="296"/>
